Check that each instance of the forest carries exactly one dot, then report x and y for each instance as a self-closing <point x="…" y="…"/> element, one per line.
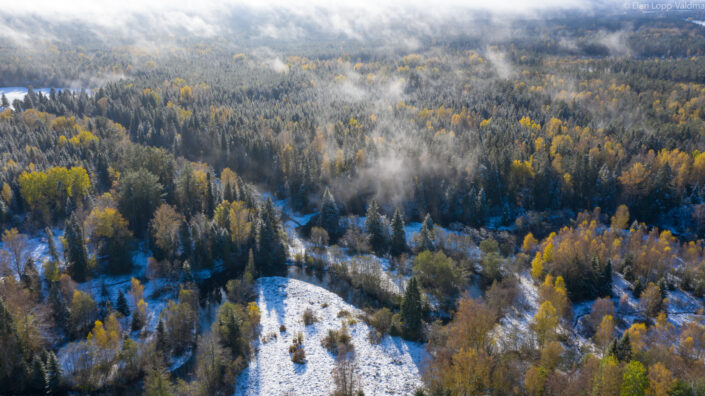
<point x="515" y="213"/>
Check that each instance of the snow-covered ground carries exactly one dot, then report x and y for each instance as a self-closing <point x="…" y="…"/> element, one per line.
<point x="514" y="329"/>
<point x="392" y="367"/>
<point x="38" y="247"/>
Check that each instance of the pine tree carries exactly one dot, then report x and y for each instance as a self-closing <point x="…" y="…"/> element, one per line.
<point x="329" y="214"/>
<point x="271" y="252"/>
<point x="638" y="288"/>
<point x="606" y="279"/>
<point x="76" y="252"/>
<point x="375" y="229"/>
<point x="138" y="320"/>
<point x="52" y="379"/>
<point x="250" y="270"/>
<point x="411" y="312"/>
<point x="424" y="240"/>
<point x="210" y="199"/>
<point x="122" y="305"/>
<point x="53" y="252"/>
<point x="602" y="274"/>
<point x="398" y="243"/>
<point x="186" y="240"/>
<point x="161" y="345"/>
<point x="37" y="375"/>
<point x="623" y="349"/>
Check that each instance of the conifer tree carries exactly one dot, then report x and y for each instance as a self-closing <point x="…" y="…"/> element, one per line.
<point x="606" y="280"/>
<point x="250" y="270"/>
<point x="411" y="311"/>
<point x="424" y="240"/>
<point x="186" y="240"/>
<point x="37" y="375"/>
<point x="210" y="199"/>
<point x="162" y="344"/>
<point x="122" y="305"/>
<point x="375" y="229"/>
<point x="621" y="349"/>
<point x="52" y="378"/>
<point x="53" y="252"/>
<point x="271" y="252"/>
<point x="398" y="243"/>
<point x="329" y="214"/>
<point x="76" y="252"/>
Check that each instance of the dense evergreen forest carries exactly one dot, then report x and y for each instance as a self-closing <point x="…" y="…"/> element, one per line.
<point x="557" y="169"/>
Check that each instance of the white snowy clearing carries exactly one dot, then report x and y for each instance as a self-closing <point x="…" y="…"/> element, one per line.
<point x="392" y="367"/>
<point x="12" y="93"/>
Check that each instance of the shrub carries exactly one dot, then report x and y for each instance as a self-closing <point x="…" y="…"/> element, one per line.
<point x="308" y="317"/>
<point x="437" y="272"/>
<point x="381" y="322"/>
<point x="299" y="356"/>
<point x="296" y="349"/>
<point x="282" y="329"/>
<point x="503" y="295"/>
<point x="395" y="329"/>
<point x="338" y="342"/>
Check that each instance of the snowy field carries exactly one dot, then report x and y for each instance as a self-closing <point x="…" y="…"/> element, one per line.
<point x="12" y="93"/>
<point x="391" y="368"/>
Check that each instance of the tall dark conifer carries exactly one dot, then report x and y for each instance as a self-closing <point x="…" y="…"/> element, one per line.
<point x="52" y="378"/>
<point x="271" y="252"/>
<point x="121" y="304"/>
<point x="398" y="243"/>
<point x="411" y="312"/>
<point x="329" y="214"/>
<point x="76" y="252"/>
<point x="424" y="239"/>
<point x="375" y="229"/>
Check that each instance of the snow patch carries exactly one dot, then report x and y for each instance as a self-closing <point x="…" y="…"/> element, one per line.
<point x="392" y="367"/>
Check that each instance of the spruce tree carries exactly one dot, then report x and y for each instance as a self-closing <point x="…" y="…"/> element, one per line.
<point x="411" y="312"/>
<point x="186" y="240"/>
<point x="606" y="280"/>
<point x="37" y="375"/>
<point x="76" y="253"/>
<point x="424" y="240"/>
<point x="271" y="252"/>
<point x="398" y="243"/>
<point x="138" y="320"/>
<point x="250" y="270"/>
<point x="52" y="378"/>
<point x="375" y="229"/>
<point x="121" y="305"/>
<point x="161" y="345"/>
<point x="53" y="252"/>
<point x="329" y="214"/>
<point x="623" y="348"/>
<point x="210" y="199"/>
